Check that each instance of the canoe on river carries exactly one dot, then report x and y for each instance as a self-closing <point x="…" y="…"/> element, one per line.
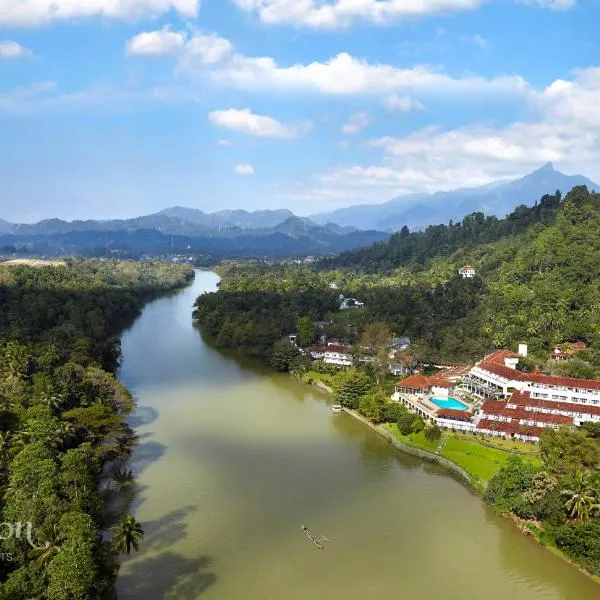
<point x="312" y="538"/>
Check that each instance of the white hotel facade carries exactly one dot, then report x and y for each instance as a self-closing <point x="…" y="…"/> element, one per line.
<point x="496" y="376"/>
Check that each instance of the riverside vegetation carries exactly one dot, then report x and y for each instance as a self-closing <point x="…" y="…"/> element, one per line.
<point x="62" y="420"/>
<point x="536" y="280"/>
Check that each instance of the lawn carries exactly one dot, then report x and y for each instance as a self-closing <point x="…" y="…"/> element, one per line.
<point x="414" y="439"/>
<point x="478" y="460"/>
<point x="501" y="444"/>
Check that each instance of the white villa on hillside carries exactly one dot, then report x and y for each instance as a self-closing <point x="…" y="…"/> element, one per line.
<point x="467" y="272"/>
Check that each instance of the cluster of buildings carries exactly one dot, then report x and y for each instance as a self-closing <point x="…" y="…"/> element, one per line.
<point x="339" y="352"/>
<point x="509" y="403"/>
<point x="347" y="303"/>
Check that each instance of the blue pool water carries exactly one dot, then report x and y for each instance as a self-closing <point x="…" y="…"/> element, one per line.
<point x="449" y="403"/>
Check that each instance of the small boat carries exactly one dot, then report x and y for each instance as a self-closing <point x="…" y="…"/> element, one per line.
<point x="312" y="538"/>
<point x="337" y="408"/>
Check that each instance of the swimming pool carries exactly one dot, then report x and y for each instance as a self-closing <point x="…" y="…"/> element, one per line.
<point x="449" y="403"/>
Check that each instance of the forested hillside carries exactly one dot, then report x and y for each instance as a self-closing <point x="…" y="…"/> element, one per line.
<point x="405" y="249"/>
<point x="537" y="280"/>
<point x="62" y="418"/>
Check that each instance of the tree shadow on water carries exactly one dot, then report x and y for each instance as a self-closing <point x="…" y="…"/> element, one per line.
<point x="165" y="531"/>
<point x="145" y="454"/>
<point x="144" y="415"/>
<point x="167" y="576"/>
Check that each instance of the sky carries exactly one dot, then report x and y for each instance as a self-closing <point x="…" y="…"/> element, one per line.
<point x="117" y="108"/>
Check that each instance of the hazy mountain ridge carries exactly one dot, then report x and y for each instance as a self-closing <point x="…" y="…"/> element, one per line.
<point x="420" y="210"/>
<point x="176" y="220"/>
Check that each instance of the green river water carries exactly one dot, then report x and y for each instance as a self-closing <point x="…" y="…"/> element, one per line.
<point x="233" y="459"/>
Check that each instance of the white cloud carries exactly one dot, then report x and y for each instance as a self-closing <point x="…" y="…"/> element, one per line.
<point x="30" y="13"/>
<point x="246" y="121"/>
<point x="343" y="13"/>
<point x="46" y="96"/>
<point x="357" y="123"/>
<point x="244" y="169"/>
<point x="209" y="49"/>
<point x="156" y="43"/>
<point x="10" y="50"/>
<point x="224" y="143"/>
<point x="565" y="131"/>
<point x="343" y="75"/>
<point x="405" y="103"/>
<point x="553" y="4"/>
<point x="212" y="57"/>
<point x="476" y="39"/>
<point x="199" y="50"/>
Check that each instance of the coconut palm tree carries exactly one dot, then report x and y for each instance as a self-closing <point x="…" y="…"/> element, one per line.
<point x="51" y="544"/>
<point x="581" y="499"/>
<point x="123" y="477"/>
<point x="127" y="534"/>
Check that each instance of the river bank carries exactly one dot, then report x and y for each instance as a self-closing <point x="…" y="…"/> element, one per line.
<point x="523" y="526"/>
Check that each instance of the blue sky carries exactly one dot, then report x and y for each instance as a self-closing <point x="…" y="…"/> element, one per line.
<point x="113" y="109"/>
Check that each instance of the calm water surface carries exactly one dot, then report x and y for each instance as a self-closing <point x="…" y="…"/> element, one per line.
<point x="233" y="460"/>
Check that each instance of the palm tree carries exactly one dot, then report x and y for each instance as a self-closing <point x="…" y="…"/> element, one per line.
<point x="52" y="542"/>
<point x="123" y="477"/>
<point x="582" y="499"/>
<point x="127" y="534"/>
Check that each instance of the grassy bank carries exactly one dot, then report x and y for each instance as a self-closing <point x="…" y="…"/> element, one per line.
<point x="478" y="459"/>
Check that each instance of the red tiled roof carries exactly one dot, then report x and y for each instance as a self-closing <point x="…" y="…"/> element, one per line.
<point x="417" y="382"/>
<point x="467" y="267"/>
<point x="570" y="407"/>
<point x="499" y="356"/>
<point x="333" y="348"/>
<point x="522" y="411"/>
<point x="586" y="384"/>
<point x="501" y="370"/>
<point x="421" y="382"/>
<point x="509" y="428"/>
<point x="451" y="413"/>
<point x="454" y="372"/>
<point x="494" y="363"/>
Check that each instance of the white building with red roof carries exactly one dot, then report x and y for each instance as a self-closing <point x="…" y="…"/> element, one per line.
<point x="467" y="272"/>
<point x="497" y="376"/>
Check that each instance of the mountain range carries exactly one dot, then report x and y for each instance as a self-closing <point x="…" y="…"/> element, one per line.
<point x="419" y="210"/>
<point x="279" y="233"/>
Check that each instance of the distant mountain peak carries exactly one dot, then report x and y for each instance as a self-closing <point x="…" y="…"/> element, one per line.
<point x="497" y="198"/>
<point x="546" y="168"/>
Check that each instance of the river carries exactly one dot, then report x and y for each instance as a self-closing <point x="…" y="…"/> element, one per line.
<point x="233" y="459"/>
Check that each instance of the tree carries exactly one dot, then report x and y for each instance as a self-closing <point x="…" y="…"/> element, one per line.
<point x="284" y="354"/>
<point x="307" y="332"/>
<point x="373" y="405"/>
<point x="375" y="340"/>
<point x="393" y="411"/>
<point x="582" y="498"/>
<point x="592" y="429"/>
<point x="418" y="424"/>
<point x="406" y="423"/>
<point x="433" y="433"/>
<point x="127" y="535"/>
<point x="72" y="572"/>
<point x="565" y="450"/>
<point x="505" y="490"/>
<point x="352" y="387"/>
<point x="50" y="543"/>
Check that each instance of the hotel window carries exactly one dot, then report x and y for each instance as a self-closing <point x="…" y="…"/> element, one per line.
<point x="554" y="397"/>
